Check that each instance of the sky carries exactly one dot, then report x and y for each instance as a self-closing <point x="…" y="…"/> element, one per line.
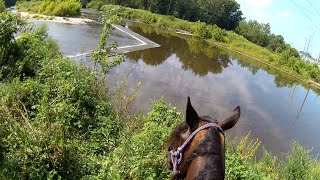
<point x="295" y="20"/>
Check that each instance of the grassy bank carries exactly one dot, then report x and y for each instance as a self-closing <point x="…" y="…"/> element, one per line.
<point x="59" y="121"/>
<point x="65" y="8"/>
<point x="226" y="39"/>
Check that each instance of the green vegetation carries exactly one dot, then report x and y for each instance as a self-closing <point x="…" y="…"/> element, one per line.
<point x="224" y="13"/>
<point x="68" y="8"/>
<point x="58" y="121"/>
<point x="261" y="34"/>
<point x="285" y="59"/>
<point x="56" y="118"/>
<point x="2" y="6"/>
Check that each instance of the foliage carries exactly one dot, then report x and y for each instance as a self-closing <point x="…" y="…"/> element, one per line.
<point x="95" y="4"/>
<point x="298" y="163"/>
<point x="260" y="34"/>
<point x="57" y="122"/>
<point x="66" y="8"/>
<point x="2" y="6"/>
<point x="199" y="29"/>
<point x="224" y="13"/>
<point x="16" y="59"/>
<point x="140" y="154"/>
<point x="101" y="54"/>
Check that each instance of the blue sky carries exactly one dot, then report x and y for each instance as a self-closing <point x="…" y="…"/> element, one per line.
<point x="295" y="20"/>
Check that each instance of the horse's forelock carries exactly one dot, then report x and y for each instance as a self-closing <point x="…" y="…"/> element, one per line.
<point x="176" y="133"/>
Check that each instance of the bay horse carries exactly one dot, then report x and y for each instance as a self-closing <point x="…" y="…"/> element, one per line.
<point x="196" y="148"/>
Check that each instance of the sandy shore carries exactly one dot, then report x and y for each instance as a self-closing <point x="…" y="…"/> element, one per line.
<point x="67" y="20"/>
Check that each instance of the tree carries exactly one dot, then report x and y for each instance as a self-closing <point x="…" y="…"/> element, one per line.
<point x="224" y="13"/>
<point x="255" y="32"/>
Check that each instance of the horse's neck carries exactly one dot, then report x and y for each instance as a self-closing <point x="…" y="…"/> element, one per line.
<point x="209" y="167"/>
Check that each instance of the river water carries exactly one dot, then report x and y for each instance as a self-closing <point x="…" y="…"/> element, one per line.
<point x="275" y="108"/>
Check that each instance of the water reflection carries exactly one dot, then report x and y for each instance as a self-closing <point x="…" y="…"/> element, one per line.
<point x="218" y="81"/>
<point x="193" y="53"/>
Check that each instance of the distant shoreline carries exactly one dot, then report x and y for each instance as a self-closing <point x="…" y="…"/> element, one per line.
<point x="66" y="20"/>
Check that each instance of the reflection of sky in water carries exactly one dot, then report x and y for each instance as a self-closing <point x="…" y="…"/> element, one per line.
<point x="268" y="112"/>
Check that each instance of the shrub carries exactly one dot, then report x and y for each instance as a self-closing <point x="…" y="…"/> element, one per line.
<point x="199" y="29"/>
<point x="140" y="154"/>
<point x="2" y="6"/>
<point x="58" y="8"/>
<point x="56" y="123"/>
<point x="67" y="8"/>
<point x="297" y="164"/>
<point x="216" y="33"/>
<point x="95" y="4"/>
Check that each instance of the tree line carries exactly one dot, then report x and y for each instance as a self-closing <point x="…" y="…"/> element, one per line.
<point x="224" y="13"/>
<point x="260" y="33"/>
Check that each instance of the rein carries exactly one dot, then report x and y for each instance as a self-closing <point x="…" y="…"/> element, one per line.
<point x="176" y="156"/>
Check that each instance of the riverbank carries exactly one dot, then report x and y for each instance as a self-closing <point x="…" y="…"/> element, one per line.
<point x="66" y="20"/>
<point x="307" y="72"/>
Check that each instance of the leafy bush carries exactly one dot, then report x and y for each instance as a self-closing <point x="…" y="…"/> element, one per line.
<point x="95" y="4"/>
<point x="298" y="163"/>
<point x="19" y="57"/>
<point x="199" y="29"/>
<point x="67" y="8"/>
<point x="140" y="154"/>
<point x="2" y="6"/>
<point x="56" y="123"/>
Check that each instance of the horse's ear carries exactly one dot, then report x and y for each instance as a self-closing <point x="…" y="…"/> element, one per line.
<point x="192" y="116"/>
<point x="231" y="120"/>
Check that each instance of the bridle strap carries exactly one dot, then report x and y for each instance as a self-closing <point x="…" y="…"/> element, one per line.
<point x="176" y="156"/>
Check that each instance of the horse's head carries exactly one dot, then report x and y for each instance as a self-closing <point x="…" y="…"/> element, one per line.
<point x="196" y="148"/>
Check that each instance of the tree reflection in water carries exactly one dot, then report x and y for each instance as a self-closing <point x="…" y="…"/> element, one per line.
<point x="199" y="56"/>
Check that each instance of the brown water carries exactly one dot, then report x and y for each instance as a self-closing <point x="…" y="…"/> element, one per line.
<point x="275" y="108"/>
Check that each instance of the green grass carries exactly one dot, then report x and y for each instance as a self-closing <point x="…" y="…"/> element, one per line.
<point x="227" y="39"/>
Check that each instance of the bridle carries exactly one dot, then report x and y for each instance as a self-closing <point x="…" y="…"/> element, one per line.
<point x="176" y="156"/>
